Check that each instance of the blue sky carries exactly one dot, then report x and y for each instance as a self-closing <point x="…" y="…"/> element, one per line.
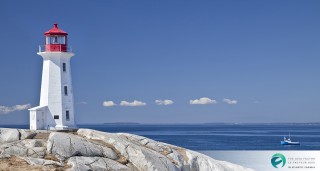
<point x="253" y="61"/>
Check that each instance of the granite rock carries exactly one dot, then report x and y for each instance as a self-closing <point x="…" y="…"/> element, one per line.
<point x="95" y="150"/>
<point x="24" y="148"/>
<point x="8" y="135"/>
<point x="66" y="145"/>
<point x="95" y="163"/>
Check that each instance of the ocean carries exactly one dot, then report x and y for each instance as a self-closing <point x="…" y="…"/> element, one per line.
<point x="204" y="137"/>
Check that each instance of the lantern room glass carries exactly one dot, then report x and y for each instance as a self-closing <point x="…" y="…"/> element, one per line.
<point x="55" y="40"/>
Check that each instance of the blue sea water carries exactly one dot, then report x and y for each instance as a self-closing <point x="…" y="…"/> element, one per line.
<point x="201" y="137"/>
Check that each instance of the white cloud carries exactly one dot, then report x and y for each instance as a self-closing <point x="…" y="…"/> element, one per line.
<point x="133" y="104"/>
<point x="164" y="102"/>
<point x="230" y="102"/>
<point x="5" y="109"/>
<point x="108" y="104"/>
<point x="203" y="101"/>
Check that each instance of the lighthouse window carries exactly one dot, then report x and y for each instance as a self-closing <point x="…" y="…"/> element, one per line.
<point x="67" y="115"/>
<point x="56" y="116"/>
<point x="48" y="40"/>
<point x="55" y="40"/>
<point x="65" y="90"/>
<point x="64" y="67"/>
<point x="62" y="40"/>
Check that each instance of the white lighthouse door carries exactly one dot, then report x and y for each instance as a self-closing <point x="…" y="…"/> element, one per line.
<point x="41" y="120"/>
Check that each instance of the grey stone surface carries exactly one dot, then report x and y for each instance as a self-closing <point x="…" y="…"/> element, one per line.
<point x="178" y="159"/>
<point x="26" y="134"/>
<point x="146" y="154"/>
<point x="8" y="135"/>
<point x="135" y="152"/>
<point x="94" y="150"/>
<point x="95" y="163"/>
<point x="24" y="148"/>
<point x="2" y="156"/>
<point x="112" y="139"/>
<point x="41" y="162"/>
<point x="184" y="159"/>
<point x="66" y="145"/>
<point x="146" y="159"/>
<point x="201" y="162"/>
<point x="149" y="143"/>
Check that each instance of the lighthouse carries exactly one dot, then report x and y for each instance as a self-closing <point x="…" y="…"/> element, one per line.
<point x="56" y="108"/>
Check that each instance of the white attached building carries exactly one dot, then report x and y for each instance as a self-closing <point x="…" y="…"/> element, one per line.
<point x="56" y="109"/>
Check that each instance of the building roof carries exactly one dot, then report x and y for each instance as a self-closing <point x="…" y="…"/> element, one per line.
<point x="55" y="31"/>
<point x="37" y="108"/>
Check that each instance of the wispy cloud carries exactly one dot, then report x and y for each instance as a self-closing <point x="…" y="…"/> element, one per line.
<point x="256" y="101"/>
<point x="6" y="109"/>
<point x="229" y="101"/>
<point x="82" y="103"/>
<point x="108" y="104"/>
<point x="203" y="101"/>
<point x="132" y="104"/>
<point x="164" y="102"/>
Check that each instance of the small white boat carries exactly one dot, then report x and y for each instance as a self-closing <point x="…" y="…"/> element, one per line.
<point x="287" y="141"/>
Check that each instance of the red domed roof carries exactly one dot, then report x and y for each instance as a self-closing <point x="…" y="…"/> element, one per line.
<point x="55" y="31"/>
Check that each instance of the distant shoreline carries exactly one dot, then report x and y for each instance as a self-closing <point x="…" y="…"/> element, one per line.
<point x="119" y="123"/>
<point x="136" y="123"/>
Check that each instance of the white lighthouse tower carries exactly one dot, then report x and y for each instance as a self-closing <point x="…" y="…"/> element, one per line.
<point x="56" y="109"/>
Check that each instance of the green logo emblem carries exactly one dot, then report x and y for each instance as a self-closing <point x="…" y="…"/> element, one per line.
<point x="278" y="159"/>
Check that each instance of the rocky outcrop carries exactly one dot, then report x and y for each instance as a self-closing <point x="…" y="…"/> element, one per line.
<point x="94" y="150"/>
<point x="24" y="148"/>
<point x="95" y="163"/>
<point x="9" y="135"/>
<point x="41" y="162"/>
<point x="68" y="145"/>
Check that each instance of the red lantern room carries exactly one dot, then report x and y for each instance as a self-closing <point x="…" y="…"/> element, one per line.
<point x="56" y="40"/>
